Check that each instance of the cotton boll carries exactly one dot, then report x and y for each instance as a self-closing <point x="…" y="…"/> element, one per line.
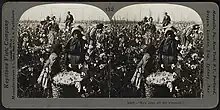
<point x="176" y="88"/>
<point x="193" y="66"/>
<point x="98" y="45"/>
<point x="86" y="57"/>
<point x="194" y="56"/>
<point x="173" y="66"/>
<point x="190" y="46"/>
<point x="83" y="74"/>
<point x="101" y="55"/>
<point x="41" y="40"/>
<point x="135" y="60"/>
<point x="47" y="49"/>
<point x="44" y="35"/>
<point x="179" y="58"/>
<point x="84" y="88"/>
<point x="80" y="66"/>
<point x="90" y="46"/>
<point x="84" y="37"/>
<point x="176" y="38"/>
<point x="174" y="75"/>
<point x="162" y="65"/>
<point x="182" y="52"/>
<point x="170" y="86"/>
<point x="86" y="45"/>
<point x="70" y="66"/>
<point x="101" y="66"/>
<point x="41" y="60"/>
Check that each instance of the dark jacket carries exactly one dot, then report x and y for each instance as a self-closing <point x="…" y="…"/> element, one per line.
<point x="69" y="18"/>
<point x="168" y="47"/>
<point x="75" y="46"/>
<point x="166" y="20"/>
<point x="152" y="28"/>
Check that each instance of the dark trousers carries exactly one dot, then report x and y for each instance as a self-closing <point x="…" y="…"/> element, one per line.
<point x="167" y="61"/>
<point x="68" y="24"/>
<point x="74" y="60"/>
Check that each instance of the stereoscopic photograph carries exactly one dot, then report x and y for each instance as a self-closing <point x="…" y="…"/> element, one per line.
<point x="77" y="51"/>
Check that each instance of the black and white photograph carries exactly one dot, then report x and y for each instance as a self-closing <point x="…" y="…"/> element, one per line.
<point x="78" y="51"/>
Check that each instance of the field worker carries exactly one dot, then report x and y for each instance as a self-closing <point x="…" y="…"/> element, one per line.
<point x="92" y="33"/>
<point x="166" y="19"/>
<point x="150" y="31"/>
<point x="69" y="20"/>
<point x="151" y="27"/>
<point x="168" y="50"/>
<point x="45" y="24"/>
<point x="74" y="49"/>
<point x="189" y="33"/>
<point x="144" y="67"/>
<point x="50" y="69"/>
<point x="53" y="30"/>
<point x="98" y="27"/>
<point x="46" y="21"/>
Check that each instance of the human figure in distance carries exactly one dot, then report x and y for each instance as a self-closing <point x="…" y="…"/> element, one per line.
<point x="69" y="20"/>
<point x="166" y="19"/>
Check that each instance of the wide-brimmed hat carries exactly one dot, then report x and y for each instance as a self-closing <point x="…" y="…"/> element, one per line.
<point x="169" y="30"/>
<point x="77" y="28"/>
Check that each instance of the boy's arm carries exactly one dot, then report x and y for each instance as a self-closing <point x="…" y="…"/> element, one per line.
<point x="145" y="59"/>
<point x="52" y="59"/>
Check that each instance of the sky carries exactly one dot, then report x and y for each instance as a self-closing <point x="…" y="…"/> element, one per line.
<point x="176" y="12"/>
<point x="132" y="12"/>
<point x="79" y="11"/>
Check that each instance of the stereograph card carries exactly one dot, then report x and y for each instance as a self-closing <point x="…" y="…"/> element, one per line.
<point x="110" y="55"/>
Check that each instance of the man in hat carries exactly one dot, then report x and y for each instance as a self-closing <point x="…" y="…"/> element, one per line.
<point x="166" y="19"/>
<point x="189" y="33"/>
<point x="151" y="25"/>
<point x="92" y="32"/>
<point x="74" y="49"/>
<point x="69" y="20"/>
<point x="150" y="31"/>
<point x="53" y="30"/>
<point x="53" y="25"/>
<point x="168" y="50"/>
<point x="45" y="23"/>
